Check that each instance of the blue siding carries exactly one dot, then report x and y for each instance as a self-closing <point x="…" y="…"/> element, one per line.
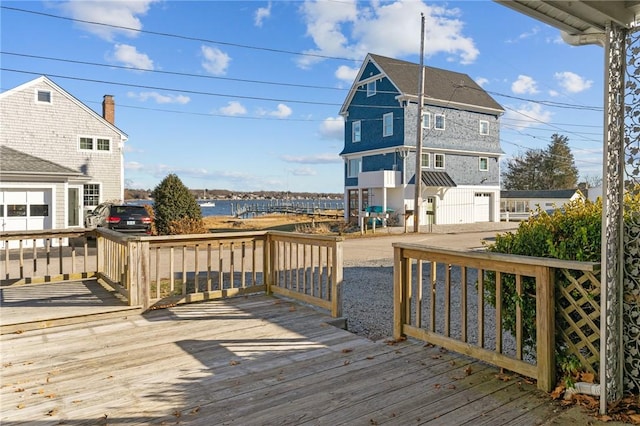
<point x="369" y="111"/>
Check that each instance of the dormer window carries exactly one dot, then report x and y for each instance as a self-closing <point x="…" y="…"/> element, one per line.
<point x="371" y="88"/>
<point x="43" y="96"/>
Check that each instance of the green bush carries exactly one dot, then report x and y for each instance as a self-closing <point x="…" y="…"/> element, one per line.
<point x="570" y="233"/>
<point x="175" y="208"/>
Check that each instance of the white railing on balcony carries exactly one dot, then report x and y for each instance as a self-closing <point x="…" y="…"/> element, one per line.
<point x="379" y="179"/>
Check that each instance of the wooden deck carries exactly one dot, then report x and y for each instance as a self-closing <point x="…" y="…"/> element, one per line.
<point x="252" y="360"/>
<point x="36" y="306"/>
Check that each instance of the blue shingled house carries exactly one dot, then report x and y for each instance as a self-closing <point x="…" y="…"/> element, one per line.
<point x="460" y="144"/>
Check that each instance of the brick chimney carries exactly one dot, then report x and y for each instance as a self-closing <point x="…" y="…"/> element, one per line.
<point x="109" y="109"/>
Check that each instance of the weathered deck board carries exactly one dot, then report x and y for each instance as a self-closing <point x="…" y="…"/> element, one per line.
<point x="249" y="361"/>
<point x="34" y="306"/>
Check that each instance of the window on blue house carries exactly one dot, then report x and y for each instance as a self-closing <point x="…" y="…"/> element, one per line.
<point x="438" y="160"/>
<point x="371" y="88"/>
<point x="439" y="122"/>
<point x="356" y="129"/>
<point x="387" y="124"/>
<point x="353" y="167"/>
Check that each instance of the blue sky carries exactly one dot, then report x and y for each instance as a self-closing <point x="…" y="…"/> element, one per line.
<point x="244" y="95"/>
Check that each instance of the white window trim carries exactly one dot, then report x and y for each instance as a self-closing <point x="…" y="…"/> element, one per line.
<point x="91" y="207"/>
<point x="384" y="127"/>
<point x="42" y="102"/>
<point x="375" y="88"/>
<point x="428" y="155"/>
<point x="428" y="115"/>
<point x="359" y="160"/>
<point x="435" y="161"/>
<point x="353" y="132"/>
<point x="95" y="144"/>
<point x="480" y="164"/>
<point x="480" y="127"/>
<point x="435" y="121"/>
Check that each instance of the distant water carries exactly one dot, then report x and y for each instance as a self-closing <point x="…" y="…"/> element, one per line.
<point x="228" y="207"/>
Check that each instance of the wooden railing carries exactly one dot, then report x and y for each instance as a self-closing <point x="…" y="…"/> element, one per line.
<point x="441" y="297"/>
<point x="45" y="256"/>
<point x="165" y="270"/>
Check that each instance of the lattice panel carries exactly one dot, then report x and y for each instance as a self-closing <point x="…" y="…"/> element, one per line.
<point x="578" y="317"/>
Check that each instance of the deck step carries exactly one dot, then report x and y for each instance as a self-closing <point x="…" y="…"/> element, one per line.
<point x="74" y="319"/>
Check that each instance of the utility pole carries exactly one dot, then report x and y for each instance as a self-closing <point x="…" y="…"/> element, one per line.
<point x="417" y="202"/>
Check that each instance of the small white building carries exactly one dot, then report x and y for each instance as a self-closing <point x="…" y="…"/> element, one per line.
<point x="518" y="205"/>
<point x="58" y="157"/>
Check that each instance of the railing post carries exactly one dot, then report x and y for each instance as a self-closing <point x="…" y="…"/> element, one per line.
<point x="131" y="274"/>
<point x="267" y="263"/>
<point x="399" y="289"/>
<point x="336" y="282"/>
<point x="99" y="253"/>
<point x="545" y="327"/>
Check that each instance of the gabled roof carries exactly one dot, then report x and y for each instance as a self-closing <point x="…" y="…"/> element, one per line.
<point x="443" y="87"/>
<point x="548" y="194"/>
<point x="14" y="162"/>
<point x="54" y="86"/>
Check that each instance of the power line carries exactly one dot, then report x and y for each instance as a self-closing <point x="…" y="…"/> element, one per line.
<point x="175" y="73"/>
<point x="178" y="36"/>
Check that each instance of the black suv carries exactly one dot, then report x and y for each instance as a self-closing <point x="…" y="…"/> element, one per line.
<point x="119" y="217"/>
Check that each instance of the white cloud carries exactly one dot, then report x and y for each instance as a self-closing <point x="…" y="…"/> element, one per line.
<point x="525" y="35"/>
<point x="572" y="82"/>
<point x="282" y="111"/>
<point x="524" y="85"/>
<point x="233" y="108"/>
<point x="304" y="171"/>
<point x="133" y="165"/>
<point x="332" y="128"/>
<point x="526" y="115"/>
<point x="352" y="29"/>
<point x="261" y="14"/>
<point x="313" y="159"/>
<point x="125" y="13"/>
<point x="215" y="60"/>
<point x="346" y="73"/>
<point x="130" y="57"/>
<point x="160" y="98"/>
<point x="554" y="93"/>
<point x="482" y="81"/>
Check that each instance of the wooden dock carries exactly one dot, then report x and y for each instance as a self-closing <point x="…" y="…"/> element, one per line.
<point x="315" y="209"/>
<point x="253" y="360"/>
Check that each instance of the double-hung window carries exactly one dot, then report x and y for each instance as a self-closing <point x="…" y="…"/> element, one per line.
<point x="439" y="122"/>
<point x="483" y="164"/>
<point x="438" y="161"/>
<point x="426" y="120"/>
<point x="387" y="124"/>
<point x="371" y="88"/>
<point x="353" y="167"/>
<point x="484" y="127"/>
<point x="91" y="194"/>
<point x="356" y="131"/>
<point x="426" y="160"/>
<point x="86" y="143"/>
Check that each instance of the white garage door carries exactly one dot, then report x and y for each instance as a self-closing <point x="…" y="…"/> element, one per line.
<point x="481" y="206"/>
<point x="25" y="209"/>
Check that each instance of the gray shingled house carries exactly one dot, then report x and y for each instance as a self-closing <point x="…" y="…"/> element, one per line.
<point x="460" y="144"/>
<point x="58" y="157"/>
